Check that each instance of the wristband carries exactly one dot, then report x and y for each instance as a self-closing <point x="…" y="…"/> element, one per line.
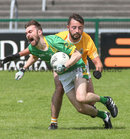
<point x="23" y="70"/>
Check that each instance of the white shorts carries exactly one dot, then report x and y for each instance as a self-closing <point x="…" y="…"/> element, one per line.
<point x="67" y="79"/>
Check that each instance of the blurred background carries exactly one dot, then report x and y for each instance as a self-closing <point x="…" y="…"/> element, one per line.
<point x="106" y="21"/>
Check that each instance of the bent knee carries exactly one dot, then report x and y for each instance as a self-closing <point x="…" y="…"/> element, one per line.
<point x="59" y="91"/>
<point x="59" y="88"/>
<point x="83" y="110"/>
<point x="80" y="110"/>
<point x="81" y="99"/>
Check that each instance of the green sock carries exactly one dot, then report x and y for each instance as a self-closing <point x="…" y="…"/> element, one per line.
<point x="101" y="114"/>
<point x="103" y="99"/>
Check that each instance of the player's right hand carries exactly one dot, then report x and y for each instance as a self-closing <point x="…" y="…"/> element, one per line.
<point x="97" y="74"/>
<point x="19" y="74"/>
<point x="59" y="68"/>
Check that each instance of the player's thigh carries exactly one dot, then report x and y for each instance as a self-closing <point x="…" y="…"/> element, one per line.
<point x="82" y="108"/>
<point x="90" y="86"/>
<point x="72" y="98"/>
<point x="80" y="88"/>
<point x="58" y="84"/>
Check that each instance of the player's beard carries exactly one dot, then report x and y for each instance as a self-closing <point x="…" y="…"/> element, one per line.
<point x="35" y="41"/>
<point x="75" y="36"/>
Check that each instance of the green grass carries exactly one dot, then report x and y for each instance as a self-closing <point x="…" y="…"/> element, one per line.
<point x="30" y="119"/>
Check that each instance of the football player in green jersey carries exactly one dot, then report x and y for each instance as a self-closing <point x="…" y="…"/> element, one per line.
<point x="72" y="74"/>
<point x="85" y="45"/>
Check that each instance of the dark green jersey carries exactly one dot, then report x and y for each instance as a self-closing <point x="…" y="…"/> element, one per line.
<point x="55" y="44"/>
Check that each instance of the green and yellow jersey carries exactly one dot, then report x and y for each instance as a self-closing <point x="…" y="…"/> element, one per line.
<point x="85" y="45"/>
<point x="56" y="44"/>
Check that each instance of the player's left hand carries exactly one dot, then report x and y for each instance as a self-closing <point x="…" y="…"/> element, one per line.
<point x="97" y="74"/>
<point x="59" y="68"/>
<point x="19" y="74"/>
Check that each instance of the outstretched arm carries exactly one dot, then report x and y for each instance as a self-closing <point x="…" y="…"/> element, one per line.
<point x="32" y="59"/>
<point x="16" y="56"/>
<point x="29" y="62"/>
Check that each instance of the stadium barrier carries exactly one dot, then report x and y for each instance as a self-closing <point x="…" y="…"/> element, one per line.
<point x="111" y="37"/>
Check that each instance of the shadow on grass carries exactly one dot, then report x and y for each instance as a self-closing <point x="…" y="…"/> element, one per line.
<point x="90" y="128"/>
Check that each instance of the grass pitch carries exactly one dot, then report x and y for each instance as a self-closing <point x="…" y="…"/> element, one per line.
<point x="25" y="108"/>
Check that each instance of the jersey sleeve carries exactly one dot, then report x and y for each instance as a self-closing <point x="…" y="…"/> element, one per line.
<point x="64" y="46"/>
<point x="30" y="48"/>
<point x="92" y="50"/>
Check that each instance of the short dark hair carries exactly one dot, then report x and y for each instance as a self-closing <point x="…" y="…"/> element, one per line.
<point x="76" y="17"/>
<point x="35" y="23"/>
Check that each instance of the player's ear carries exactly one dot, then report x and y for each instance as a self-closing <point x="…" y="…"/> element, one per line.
<point x="40" y="32"/>
<point x="68" y="27"/>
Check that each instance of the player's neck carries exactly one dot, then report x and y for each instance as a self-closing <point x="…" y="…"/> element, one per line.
<point x="42" y="45"/>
